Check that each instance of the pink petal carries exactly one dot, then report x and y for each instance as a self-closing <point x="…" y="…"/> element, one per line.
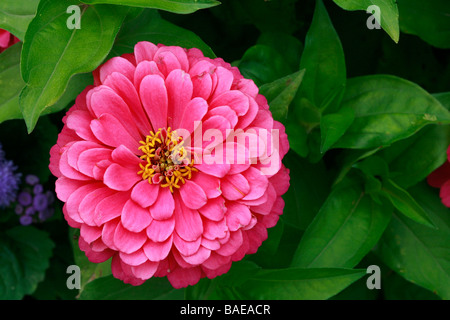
<point x="144" y="193"/>
<point x="109" y="228"/>
<point x="64" y="187"/>
<point x="218" y="170"/>
<point x="202" y="85"/>
<point x="104" y="100"/>
<point x="445" y="193"/>
<point x="144" y="50"/>
<point x="166" y="61"/>
<point x="191" y="115"/>
<point x="127" y="241"/>
<point x="79" y="121"/>
<point x="120" y="178"/>
<point x="125" y="157"/>
<point x="186" y="247"/>
<point x="146" y="270"/>
<point x="214" y="209"/>
<point x="215" y="229"/>
<point x="198" y="257"/>
<point x="134" y="217"/>
<point x="180" y="277"/>
<point x="235" y="99"/>
<point x="157" y="251"/>
<point x="216" y="261"/>
<point x="122" y="271"/>
<point x="154" y="98"/>
<point x="178" y="52"/>
<point x="90" y="201"/>
<point x="179" y="92"/>
<point x="144" y="69"/>
<point x="235" y="187"/>
<point x="238" y="216"/>
<point x="159" y="231"/>
<point x="111" y="132"/>
<point x="129" y="93"/>
<point x="258" y="185"/>
<point x="209" y="184"/>
<point x="111" y="207"/>
<point x="193" y="195"/>
<point x="67" y="170"/>
<point x="164" y="205"/>
<point x="74" y="200"/>
<point x="74" y="151"/>
<point x="188" y="223"/>
<point x="280" y="181"/>
<point x="232" y="245"/>
<point x="222" y="81"/>
<point x="117" y="64"/>
<point x="88" y="159"/>
<point x="135" y="258"/>
<point x="89" y="233"/>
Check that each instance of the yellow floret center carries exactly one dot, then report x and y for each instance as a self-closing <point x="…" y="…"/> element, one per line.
<point x="166" y="161"/>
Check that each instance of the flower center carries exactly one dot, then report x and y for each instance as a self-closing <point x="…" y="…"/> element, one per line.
<point x="167" y="160"/>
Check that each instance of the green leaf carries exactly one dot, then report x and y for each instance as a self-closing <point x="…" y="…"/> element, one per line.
<point x="149" y="26"/>
<point x="397" y="288"/>
<point x="334" y="125"/>
<point x="288" y="46"/>
<point x="428" y="148"/>
<point x="110" y="288"/>
<point x="75" y="86"/>
<point x="89" y="271"/>
<point x="176" y="6"/>
<point x="427" y="19"/>
<point x="309" y="187"/>
<point x="387" y="109"/>
<point x="389" y="14"/>
<point x="15" y="15"/>
<point x="420" y="254"/>
<point x="25" y="254"/>
<point x="346" y="228"/>
<point x="11" y="83"/>
<point x="405" y="203"/>
<point x="47" y="72"/>
<point x="263" y="64"/>
<point x="297" y="283"/>
<point x="280" y="94"/>
<point x="324" y="61"/>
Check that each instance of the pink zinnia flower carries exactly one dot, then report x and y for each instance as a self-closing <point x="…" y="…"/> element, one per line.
<point x="132" y="169"/>
<point x="440" y="178"/>
<point x="6" y="40"/>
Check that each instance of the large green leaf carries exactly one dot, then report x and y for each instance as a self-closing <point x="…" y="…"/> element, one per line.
<point x="177" y="6"/>
<point x="388" y="13"/>
<point x="16" y="15"/>
<point x="280" y="94"/>
<point x="427" y="19"/>
<point x="297" y="283"/>
<point x="405" y="203"/>
<point x="110" y="288"/>
<point x="263" y="64"/>
<point x="149" y="26"/>
<point x="309" y="187"/>
<point x="418" y="253"/>
<point x="428" y="149"/>
<point x="11" y="83"/>
<point x="324" y="61"/>
<point x="24" y="256"/>
<point x="387" y="109"/>
<point x="47" y="72"/>
<point x="346" y="228"/>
